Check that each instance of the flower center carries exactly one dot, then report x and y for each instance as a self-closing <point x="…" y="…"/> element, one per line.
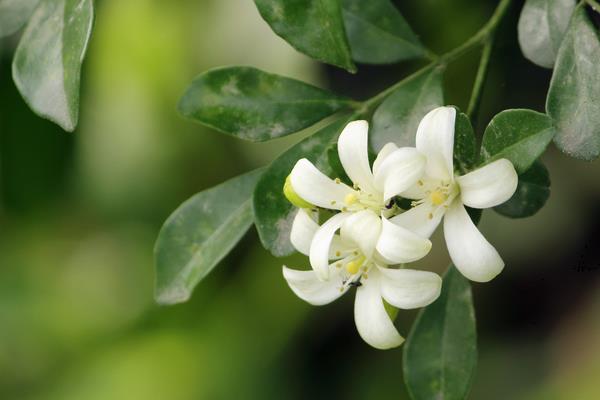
<point x="441" y="196"/>
<point x="362" y="200"/>
<point x="355" y="269"/>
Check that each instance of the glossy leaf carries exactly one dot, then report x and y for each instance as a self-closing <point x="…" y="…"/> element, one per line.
<point x="397" y="118"/>
<point x="378" y="33"/>
<point x="47" y="63"/>
<point x="199" y="234"/>
<point x="440" y="353"/>
<point x="465" y="146"/>
<point x="314" y="28"/>
<point x="254" y="105"/>
<point x="531" y="194"/>
<point x="520" y="136"/>
<point x="14" y="14"/>
<point x="273" y="212"/>
<point x="542" y="27"/>
<point x="573" y="101"/>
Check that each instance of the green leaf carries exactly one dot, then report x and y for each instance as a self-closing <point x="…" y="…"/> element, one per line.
<point x="378" y="33"/>
<point x="314" y="28"/>
<point x="465" y="146"/>
<point x="531" y="194"/>
<point x="520" y="136"/>
<point x="273" y="213"/>
<point x="397" y="118"/>
<point x="254" y="105"/>
<point x="542" y="27"/>
<point x="440" y="353"/>
<point x="47" y="62"/>
<point x="199" y="234"/>
<point x="573" y="101"/>
<point x="14" y="14"/>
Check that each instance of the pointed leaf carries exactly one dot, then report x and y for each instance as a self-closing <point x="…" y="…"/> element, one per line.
<point x="573" y="101"/>
<point x="314" y="28"/>
<point x="397" y="118"/>
<point x="273" y="213"/>
<point x="378" y="33"/>
<point x="542" y="27"/>
<point x="14" y="13"/>
<point x="440" y="353"/>
<point x="199" y="234"/>
<point x="47" y="62"/>
<point x="254" y="105"/>
<point x="531" y="194"/>
<point x="520" y="136"/>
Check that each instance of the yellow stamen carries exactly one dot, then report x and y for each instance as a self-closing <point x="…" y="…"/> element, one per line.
<point x="338" y="181"/>
<point x="350" y="198"/>
<point x="437" y="197"/>
<point x="353" y="266"/>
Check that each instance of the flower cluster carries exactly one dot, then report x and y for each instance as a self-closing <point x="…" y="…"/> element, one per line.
<point x="370" y="238"/>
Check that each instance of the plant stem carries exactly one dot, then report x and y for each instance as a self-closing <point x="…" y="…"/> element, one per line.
<point x="484" y="62"/>
<point x="594" y="4"/>
<point x="483" y="36"/>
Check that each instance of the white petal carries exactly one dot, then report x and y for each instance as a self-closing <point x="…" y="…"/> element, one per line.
<point x="304" y="228"/>
<point x="399" y="171"/>
<point x="409" y="288"/>
<point x="417" y="219"/>
<point x="372" y="321"/>
<point x="317" y="188"/>
<point x="354" y="154"/>
<point x="435" y="139"/>
<point x="362" y="228"/>
<point x="309" y="288"/>
<point x="489" y="185"/>
<point x="399" y="245"/>
<point x="321" y="245"/>
<point x="472" y="255"/>
<point x="382" y="155"/>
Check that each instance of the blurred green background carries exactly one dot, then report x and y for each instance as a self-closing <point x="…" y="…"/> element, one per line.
<point x="79" y="214"/>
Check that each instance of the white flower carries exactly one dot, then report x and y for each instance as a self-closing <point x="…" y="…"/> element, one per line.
<point x="360" y="254"/>
<point x="394" y="170"/>
<point x="442" y="194"/>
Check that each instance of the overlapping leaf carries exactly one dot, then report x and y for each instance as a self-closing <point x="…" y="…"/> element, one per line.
<point x="47" y="63"/>
<point x="573" y="101"/>
<point x="520" y="136"/>
<point x="314" y="28"/>
<point x="542" y="27"/>
<point x="397" y="118"/>
<point x="440" y="353"/>
<point x="254" y="105"/>
<point x="14" y="14"/>
<point x="378" y="33"/>
<point x="531" y="194"/>
<point x="199" y="234"/>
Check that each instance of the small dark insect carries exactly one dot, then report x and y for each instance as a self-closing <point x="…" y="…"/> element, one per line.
<point x="355" y="283"/>
<point x="390" y="204"/>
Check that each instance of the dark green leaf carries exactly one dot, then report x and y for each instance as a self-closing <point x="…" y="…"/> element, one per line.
<point x="542" y="27"/>
<point x="273" y="212"/>
<point x="314" y="28"/>
<point x="465" y="147"/>
<point x="378" y="33"/>
<point x="397" y="118"/>
<point x="520" y="136"/>
<point x="440" y="353"/>
<point x="254" y="105"/>
<point x="47" y="62"/>
<point x="14" y="14"/>
<point x="531" y="194"/>
<point x="199" y="234"/>
<point x="573" y="101"/>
